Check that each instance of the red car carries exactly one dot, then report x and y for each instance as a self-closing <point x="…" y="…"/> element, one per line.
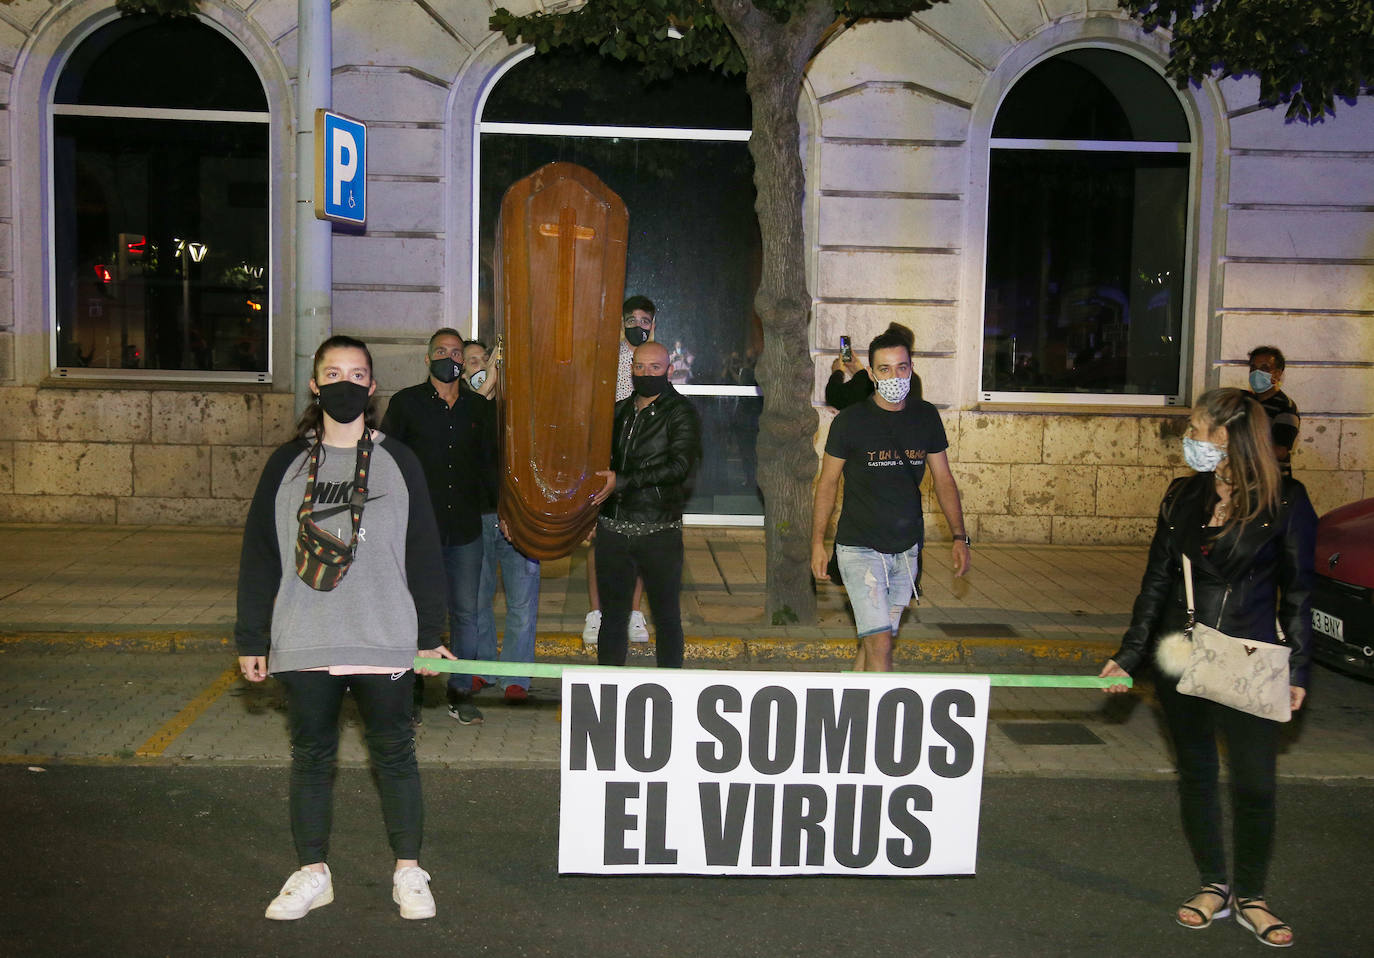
<point x="1343" y="601"/>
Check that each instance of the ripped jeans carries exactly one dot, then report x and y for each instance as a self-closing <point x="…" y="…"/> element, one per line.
<point x="880" y="585"/>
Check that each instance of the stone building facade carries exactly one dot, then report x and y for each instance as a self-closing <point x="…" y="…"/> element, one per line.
<point x="897" y="123"/>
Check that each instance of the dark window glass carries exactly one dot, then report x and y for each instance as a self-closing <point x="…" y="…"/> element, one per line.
<point x="1085" y="272"/>
<point x="160" y="243"/>
<point x="726" y="483"/>
<point x="149" y="61"/>
<point x="1092" y="95"/>
<point x="568" y="86"/>
<point x="693" y="247"/>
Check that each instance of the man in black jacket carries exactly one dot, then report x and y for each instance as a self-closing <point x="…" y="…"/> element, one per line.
<point x="654" y="449"/>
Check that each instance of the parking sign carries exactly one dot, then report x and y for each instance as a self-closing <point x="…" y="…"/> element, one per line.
<point x="340" y="168"/>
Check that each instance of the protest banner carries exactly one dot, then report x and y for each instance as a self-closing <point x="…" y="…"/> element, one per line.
<point x="768" y="773"/>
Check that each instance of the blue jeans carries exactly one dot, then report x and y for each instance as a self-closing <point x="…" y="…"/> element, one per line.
<point x="520" y="580"/>
<point x="463" y="570"/>
<point x="880" y="585"/>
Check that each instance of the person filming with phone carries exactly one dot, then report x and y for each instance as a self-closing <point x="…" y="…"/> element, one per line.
<point x="850" y="382"/>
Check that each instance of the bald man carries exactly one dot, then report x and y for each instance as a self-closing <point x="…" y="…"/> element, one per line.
<point x="654" y="450"/>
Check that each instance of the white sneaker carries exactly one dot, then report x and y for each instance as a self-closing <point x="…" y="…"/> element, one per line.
<point x="592" y="628"/>
<point x="639" y="629"/>
<point x="410" y="890"/>
<point x="304" y="890"/>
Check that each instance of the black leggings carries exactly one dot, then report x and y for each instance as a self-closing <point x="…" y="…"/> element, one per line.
<point x="313" y="703"/>
<point x="1252" y="746"/>
<point x="619" y="560"/>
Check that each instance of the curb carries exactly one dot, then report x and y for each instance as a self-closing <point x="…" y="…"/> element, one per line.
<point x="824" y="654"/>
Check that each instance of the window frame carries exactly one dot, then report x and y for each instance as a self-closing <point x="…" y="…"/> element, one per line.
<point x="595" y="132"/>
<point x="1188" y="319"/>
<point x="52" y="110"/>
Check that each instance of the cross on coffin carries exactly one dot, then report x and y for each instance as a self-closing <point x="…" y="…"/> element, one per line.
<point x="567" y="232"/>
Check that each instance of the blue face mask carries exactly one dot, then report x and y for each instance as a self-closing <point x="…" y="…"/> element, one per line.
<point x="1202" y="456"/>
<point x="1260" y="381"/>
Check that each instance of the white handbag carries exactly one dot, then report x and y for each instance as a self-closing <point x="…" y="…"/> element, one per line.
<point x="1241" y="673"/>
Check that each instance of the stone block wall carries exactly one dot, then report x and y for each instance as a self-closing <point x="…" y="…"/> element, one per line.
<point x="1097" y="479"/>
<point x="136" y="456"/>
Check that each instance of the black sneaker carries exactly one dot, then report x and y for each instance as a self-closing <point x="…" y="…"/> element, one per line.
<point x="461" y="708"/>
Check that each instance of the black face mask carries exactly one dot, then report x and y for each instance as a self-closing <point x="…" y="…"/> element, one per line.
<point x="445" y="370"/>
<point x="649" y="386"/>
<point x="636" y="335"/>
<point x="344" y="402"/>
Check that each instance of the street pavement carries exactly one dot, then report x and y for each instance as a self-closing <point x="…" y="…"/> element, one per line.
<point x="143" y="783"/>
<point x="181" y="859"/>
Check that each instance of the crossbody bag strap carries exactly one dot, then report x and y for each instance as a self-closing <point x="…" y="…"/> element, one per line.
<point x="1188" y="592"/>
<point x="359" y="496"/>
<point x="307" y="504"/>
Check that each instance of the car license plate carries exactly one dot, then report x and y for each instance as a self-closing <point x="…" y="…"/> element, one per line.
<point x="1328" y="624"/>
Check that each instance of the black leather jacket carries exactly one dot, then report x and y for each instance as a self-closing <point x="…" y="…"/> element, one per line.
<point x="1238" y="587"/>
<point x="653" y="452"/>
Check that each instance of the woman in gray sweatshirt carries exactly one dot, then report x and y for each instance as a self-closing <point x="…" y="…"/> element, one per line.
<point x="343" y="484"/>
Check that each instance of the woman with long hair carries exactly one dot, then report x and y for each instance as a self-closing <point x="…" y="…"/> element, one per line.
<point x="1249" y="535"/>
<point x="327" y="605"/>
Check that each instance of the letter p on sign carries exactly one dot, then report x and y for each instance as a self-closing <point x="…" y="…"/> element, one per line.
<point x="340" y="168"/>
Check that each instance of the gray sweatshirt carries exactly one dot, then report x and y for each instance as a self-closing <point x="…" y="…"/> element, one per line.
<point x="390" y="603"/>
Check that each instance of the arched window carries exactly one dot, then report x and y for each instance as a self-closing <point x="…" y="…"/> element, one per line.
<point x="160" y="206"/>
<point x="1087" y="230"/>
<point x="676" y="151"/>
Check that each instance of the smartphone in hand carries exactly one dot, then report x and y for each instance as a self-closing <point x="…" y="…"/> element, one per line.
<point x="846" y="351"/>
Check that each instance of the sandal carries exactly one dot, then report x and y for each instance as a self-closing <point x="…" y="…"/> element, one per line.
<point x="1216" y="890"/>
<point x="1262" y="936"/>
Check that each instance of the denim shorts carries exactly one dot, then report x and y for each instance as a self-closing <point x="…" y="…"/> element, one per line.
<point x="880" y="585"/>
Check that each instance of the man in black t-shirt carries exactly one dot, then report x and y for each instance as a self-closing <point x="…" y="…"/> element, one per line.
<point x="883" y="446"/>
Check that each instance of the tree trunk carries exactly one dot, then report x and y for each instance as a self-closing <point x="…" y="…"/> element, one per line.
<point x="776" y="54"/>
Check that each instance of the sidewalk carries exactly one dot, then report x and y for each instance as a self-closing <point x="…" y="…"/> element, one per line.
<point x="1020" y="604"/>
<point x="76" y="600"/>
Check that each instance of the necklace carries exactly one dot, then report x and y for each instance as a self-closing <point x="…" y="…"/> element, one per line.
<point x="1220" y="511"/>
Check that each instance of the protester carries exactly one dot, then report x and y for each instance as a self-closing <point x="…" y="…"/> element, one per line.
<point x="443" y="425"/>
<point x="1249" y="535"/>
<point x="320" y="637"/>
<point x="882" y="446"/>
<point x="638" y="324"/>
<point x="519" y="573"/>
<point x="655" y="447"/>
<point x="849" y="382"/>
<point x="1266" y="372"/>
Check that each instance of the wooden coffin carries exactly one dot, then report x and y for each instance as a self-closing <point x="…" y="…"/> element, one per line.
<point x="559" y="289"/>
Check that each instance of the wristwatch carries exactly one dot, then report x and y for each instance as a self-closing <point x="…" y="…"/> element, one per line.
<point x="963" y="537"/>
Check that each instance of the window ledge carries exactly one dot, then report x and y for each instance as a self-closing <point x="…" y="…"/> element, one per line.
<point x="1086" y="409"/>
<point x="153" y="385"/>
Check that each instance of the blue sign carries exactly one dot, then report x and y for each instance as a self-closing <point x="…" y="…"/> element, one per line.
<point x="340" y="168"/>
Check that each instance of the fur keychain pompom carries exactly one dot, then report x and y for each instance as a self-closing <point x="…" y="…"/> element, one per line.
<point x="1172" y="654"/>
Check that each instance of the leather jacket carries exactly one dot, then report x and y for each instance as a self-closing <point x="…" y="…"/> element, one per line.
<point x="654" y="452"/>
<point x="1247" y="575"/>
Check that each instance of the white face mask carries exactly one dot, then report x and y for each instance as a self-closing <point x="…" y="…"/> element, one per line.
<point x="477" y="379"/>
<point x="1202" y="456"/>
<point x="893" y="390"/>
